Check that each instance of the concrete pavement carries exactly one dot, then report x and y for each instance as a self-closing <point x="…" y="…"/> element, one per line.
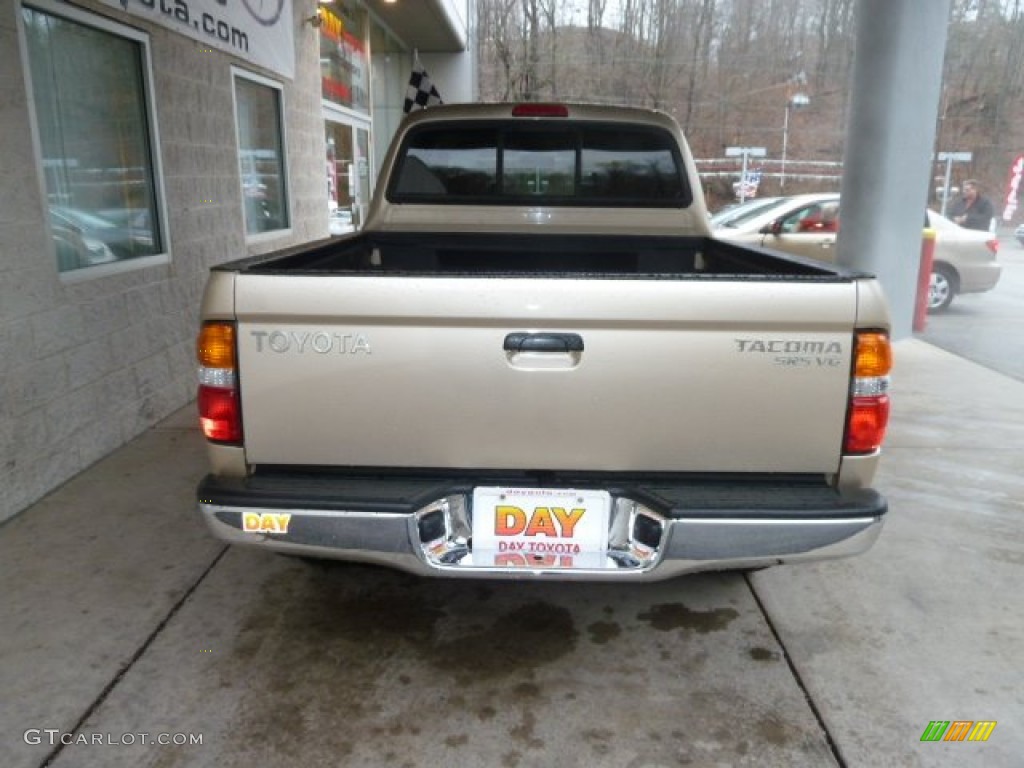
<point x="120" y="617"/>
<point x="929" y="624"/>
<point x="988" y="328"/>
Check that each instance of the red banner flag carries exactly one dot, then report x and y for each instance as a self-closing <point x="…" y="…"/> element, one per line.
<point x="1012" y="187"/>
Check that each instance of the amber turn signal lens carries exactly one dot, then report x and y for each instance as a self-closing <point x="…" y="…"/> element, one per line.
<point x="874" y="355"/>
<point x="215" y="347"/>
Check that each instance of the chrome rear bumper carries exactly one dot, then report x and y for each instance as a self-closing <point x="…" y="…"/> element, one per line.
<point x="649" y="539"/>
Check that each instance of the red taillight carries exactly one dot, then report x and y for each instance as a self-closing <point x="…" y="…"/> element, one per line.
<point x="868" y="414"/>
<point x="540" y="110"/>
<point x="993" y="245"/>
<point x="220" y="414"/>
<point x="865" y="429"/>
<point x="220" y="410"/>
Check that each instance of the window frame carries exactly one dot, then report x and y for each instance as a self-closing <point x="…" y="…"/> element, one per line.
<point x="260" y="237"/>
<point x="103" y="24"/>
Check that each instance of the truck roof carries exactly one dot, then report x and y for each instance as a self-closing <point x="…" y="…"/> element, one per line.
<point x="557" y="168"/>
<point x="540" y="110"/>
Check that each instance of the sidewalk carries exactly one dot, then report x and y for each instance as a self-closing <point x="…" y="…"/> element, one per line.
<point x="89" y="574"/>
<point x="926" y="626"/>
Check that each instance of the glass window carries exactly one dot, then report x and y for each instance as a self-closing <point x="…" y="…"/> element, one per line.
<point x="815" y="219"/>
<point x="89" y="89"/>
<point x="539" y="164"/>
<point x="439" y="162"/>
<point x="261" y="154"/>
<point x="344" y="76"/>
<point x="348" y="176"/>
<point x="389" y="72"/>
<point x="564" y="163"/>
<point x="363" y="180"/>
<point x="639" y="165"/>
<point x="341" y="184"/>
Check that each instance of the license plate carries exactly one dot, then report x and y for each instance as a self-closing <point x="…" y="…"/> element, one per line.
<point x="540" y="527"/>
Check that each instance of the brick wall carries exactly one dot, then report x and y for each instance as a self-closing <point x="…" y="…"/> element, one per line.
<point x="86" y="365"/>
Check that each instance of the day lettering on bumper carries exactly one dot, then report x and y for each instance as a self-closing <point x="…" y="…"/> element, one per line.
<point x="265" y="522"/>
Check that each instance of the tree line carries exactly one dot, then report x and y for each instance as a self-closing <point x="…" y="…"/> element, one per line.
<point x="726" y="69"/>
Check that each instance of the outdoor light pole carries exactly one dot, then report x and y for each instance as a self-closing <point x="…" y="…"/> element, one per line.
<point x="949" y="158"/>
<point x="797" y="100"/>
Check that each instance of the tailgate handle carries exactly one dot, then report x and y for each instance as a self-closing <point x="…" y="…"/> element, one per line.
<point x="543" y="342"/>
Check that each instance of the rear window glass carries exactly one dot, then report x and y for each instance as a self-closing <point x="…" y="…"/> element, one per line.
<point x="578" y="164"/>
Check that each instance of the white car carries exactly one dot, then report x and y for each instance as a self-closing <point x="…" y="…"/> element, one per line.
<point x="965" y="261"/>
<point x="735" y="214"/>
<point x="808" y="225"/>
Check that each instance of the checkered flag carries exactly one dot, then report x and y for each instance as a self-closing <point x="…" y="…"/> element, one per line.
<point x="421" y="92"/>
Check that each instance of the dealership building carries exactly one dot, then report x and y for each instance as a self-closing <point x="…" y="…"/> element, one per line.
<point x="145" y="141"/>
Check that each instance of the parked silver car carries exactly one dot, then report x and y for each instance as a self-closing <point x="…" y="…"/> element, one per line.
<point x="734" y="214"/>
<point x="808" y="225"/>
<point x="965" y="261"/>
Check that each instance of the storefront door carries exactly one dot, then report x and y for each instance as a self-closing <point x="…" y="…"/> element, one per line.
<point x="348" y="178"/>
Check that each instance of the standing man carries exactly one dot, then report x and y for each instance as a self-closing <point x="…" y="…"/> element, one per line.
<point x="973" y="210"/>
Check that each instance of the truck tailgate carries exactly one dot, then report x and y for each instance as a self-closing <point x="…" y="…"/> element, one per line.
<point x="679" y="375"/>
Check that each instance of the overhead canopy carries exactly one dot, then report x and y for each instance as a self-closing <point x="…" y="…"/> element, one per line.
<point x="437" y="26"/>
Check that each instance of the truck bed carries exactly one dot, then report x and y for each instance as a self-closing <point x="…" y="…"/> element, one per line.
<point x="550" y="255"/>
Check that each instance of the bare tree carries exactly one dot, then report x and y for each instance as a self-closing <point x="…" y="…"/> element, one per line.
<point x="700" y="55"/>
<point x="835" y="43"/>
<point x="595" y="48"/>
<point x="549" y="10"/>
<point x="497" y="44"/>
<point x="531" y="72"/>
<point x="726" y="68"/>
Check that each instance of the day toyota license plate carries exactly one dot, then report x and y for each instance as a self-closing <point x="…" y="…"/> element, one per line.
<point x="540" y="527"/>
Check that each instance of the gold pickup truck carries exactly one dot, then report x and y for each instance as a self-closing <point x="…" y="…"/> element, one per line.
<point x="534" y="361"/>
